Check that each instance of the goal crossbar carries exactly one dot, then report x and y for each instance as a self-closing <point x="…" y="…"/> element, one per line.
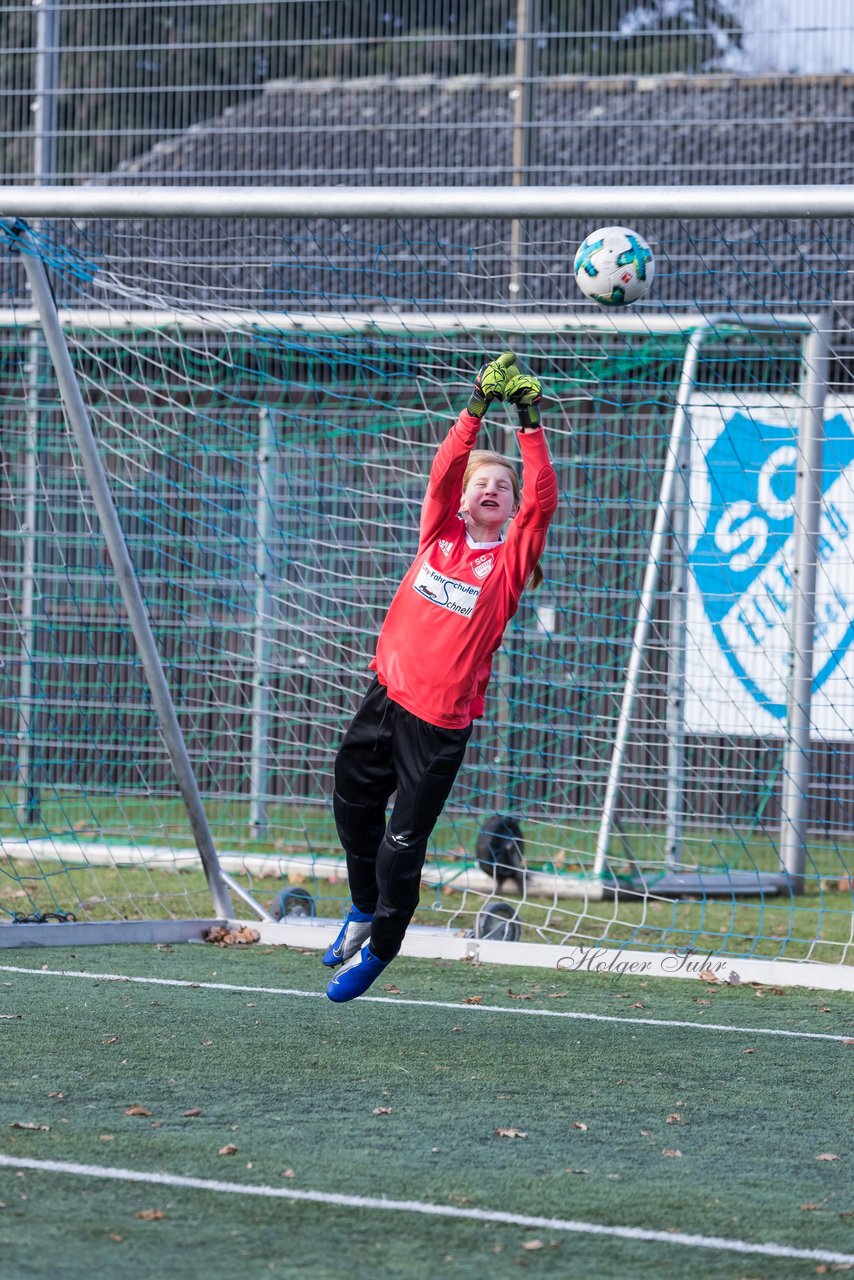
<point x="428" y="202"/>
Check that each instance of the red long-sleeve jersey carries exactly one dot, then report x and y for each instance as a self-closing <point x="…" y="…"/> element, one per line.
<point x="435" y="648"/>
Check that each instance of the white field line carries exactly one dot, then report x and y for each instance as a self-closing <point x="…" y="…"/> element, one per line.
<point x="569" y="1014"/>
<point x="718" y="1243"/>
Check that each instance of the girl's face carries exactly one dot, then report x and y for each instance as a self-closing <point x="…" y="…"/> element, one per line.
<point x="488" y="500"/>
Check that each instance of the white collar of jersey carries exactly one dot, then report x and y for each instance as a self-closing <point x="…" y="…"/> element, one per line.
<point x="481" y="546"/>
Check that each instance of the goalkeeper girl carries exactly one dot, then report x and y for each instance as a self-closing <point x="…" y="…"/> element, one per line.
<point x="480" y="543"/>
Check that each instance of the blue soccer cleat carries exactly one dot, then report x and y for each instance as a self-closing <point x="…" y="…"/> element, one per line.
<point x="356" y="976"/>
<point x="355" y="930"/>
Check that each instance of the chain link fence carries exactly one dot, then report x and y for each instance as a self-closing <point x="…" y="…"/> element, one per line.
<point x="369" y="92"/>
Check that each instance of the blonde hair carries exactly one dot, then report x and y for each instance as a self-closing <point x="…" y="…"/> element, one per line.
<point x="486" y="458"/>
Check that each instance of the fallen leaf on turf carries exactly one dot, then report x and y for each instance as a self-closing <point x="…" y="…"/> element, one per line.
<point x="518" y="995"/>
<point x="193" y="1111"/>
<point x="136" y="1110"/>
<point x="10" y="1017"/>
<point x="810" y="1206"/>
<point x="106" y="1137"/>
<point x="56" y="1095"/>
<point x="228" y="1150"/>
<point x="709" y="975"/>
<point x="748" y="1050"/>
<point x="671" y="1151"/>
<point x="575" y="1171"/>
<point x="473" y="1000"/>
<point x="27" y="1124"/>
<point x="637" y="1004"/>
<point x="827" y="1155"/>
<point x="579" y="1124"/>
<point x="558" y="995"/>
<point x="149" y="1215"/>
<point x="510" y="1133"/>
<point x="673" y="1118"/>
<point x="221" y="936"/>
<point x="392" y="989"/>
<point x="532" y="1244"/>
<point x="287" y="1173"/>
<point x="118" y="1239"/>
<point x="109" y="1039"/>
<point x="381" y="1111"/>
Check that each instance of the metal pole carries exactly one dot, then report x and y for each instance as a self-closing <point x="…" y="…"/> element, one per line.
<point x="796" y="769"/>
<point x="78" y="419"/>
<point x="655" y="556"/>
<point x="610" y="204"/>
<point x="677" y="643"/>
<point x="44" y="109"/>
<point x="45" y="91"/>
<point x="244" y="896"/>
<point x="260" y="750"/>
<point x="28" y="788"/>
<point x="521" y="147"/>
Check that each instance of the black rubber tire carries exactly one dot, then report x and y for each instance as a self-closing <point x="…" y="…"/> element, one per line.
<point x="497" y="921"/>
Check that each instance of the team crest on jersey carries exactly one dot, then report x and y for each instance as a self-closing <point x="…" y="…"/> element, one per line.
<point x="483" y="565"/>
<point x="446" y="546"/>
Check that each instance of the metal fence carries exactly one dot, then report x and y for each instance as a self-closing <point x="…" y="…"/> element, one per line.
<point x="412" y="91"/>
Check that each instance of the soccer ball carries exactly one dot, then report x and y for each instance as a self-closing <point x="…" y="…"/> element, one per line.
<point x="614" y="266"/>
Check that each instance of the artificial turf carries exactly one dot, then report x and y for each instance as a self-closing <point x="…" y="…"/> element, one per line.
<point x="403" y="1101"/>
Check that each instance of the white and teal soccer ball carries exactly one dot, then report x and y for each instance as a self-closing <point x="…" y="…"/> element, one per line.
<point x="614" y="266"/>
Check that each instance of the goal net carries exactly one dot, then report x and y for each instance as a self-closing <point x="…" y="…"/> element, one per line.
<point x="665" y="758"/>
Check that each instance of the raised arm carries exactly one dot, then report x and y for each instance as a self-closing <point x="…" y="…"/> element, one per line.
<point x="526" y="535"/>
<point x="445" y="485"/>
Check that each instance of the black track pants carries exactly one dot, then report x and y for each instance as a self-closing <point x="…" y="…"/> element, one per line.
<point x="385" y="750"/>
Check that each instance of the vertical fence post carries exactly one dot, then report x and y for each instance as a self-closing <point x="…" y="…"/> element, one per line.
<point x="677" y="644"/>
<point x="262" y="638"/>
<point x="521" y="145"/>
<point x="44" y="109"/>
<point x="796" y="768"/>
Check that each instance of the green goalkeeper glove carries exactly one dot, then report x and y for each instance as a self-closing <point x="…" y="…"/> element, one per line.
<point x="489" y="384"/>
<point x="525" y="392"/>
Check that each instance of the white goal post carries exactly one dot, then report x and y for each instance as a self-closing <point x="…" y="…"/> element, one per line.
<point x="746" y="332"/>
